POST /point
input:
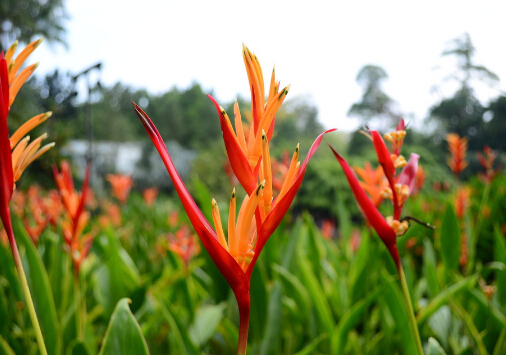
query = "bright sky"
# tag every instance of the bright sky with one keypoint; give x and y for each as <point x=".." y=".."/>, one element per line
<point x="317" y="46"/>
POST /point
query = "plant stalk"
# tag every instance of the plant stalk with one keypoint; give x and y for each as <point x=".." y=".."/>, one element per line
<point x="24" y="284"/>
<point x="412" y="319"/>
<point x="243" y="301"/>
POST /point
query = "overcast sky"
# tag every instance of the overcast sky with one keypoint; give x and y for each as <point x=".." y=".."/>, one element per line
<point x="317" y="46"/>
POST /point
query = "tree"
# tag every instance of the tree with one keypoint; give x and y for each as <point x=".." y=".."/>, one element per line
<point x="375" y="104"/>
<point x="25" y="19"/>
<point x="463" y="113"/>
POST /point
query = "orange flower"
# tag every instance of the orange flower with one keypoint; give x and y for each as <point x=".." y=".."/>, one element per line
<point x="76" y="217"/>
<point x="121" y="185"/>
<point x="184" y="243"/>
<point x="462" y="201"/>
<point x="149" y="196"/>
<point x="112" y="215"/>
<point x="457" y="147"/>
<point x="328" y="228"/>
<point x="419" y="180"/>
<point x="373" y="181"/>
<point x="487" y="162"/>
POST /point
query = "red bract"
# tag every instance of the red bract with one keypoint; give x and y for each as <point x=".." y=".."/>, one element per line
<point x="399" y="190"/>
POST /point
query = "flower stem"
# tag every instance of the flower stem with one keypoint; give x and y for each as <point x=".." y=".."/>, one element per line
<point x="412" y="319"/>
<point x="24" y="284"/>
<point x="243" y="301"/>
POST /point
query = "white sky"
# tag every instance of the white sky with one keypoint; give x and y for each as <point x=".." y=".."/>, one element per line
<point x="317" y="46"/>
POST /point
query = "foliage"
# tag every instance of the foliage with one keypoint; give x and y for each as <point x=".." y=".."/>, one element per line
<point x="26" y="19"/>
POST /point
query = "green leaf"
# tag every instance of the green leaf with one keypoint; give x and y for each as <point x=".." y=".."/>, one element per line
<point x="78" y="347"/>
<point x="450" y="239"/>
<point x="294" y="289"/>
<point x="258" y="304"/>
<point x="206" y="321"/>
<point x="433" y="348"/>
<point x="8" y="270"/>
<point x="397" y="305"/>
<point x="443" y="298"/>
<point x="41" y="293"/>
<point x="322" y="307"/>
<point x="348" y="320"/>
<point x="429" y="267"/>
<point x="310" y="348"/>
<point x="500" y="256"/>
<point x="274" y="318"/>
<point x="440" y="323"/>
<point x="5" y="349"/>
<point x="123" y="335"/>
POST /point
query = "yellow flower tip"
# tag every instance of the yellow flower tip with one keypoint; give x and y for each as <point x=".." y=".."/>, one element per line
<point x="214" y="203"/>
<point x="48" y="114"/>
<point x="233" y="193"/>
<point x="297" y="148"/>
<point x="264" y="136"/>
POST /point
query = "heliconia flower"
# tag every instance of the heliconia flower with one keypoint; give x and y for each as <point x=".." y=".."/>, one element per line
<point x="112" y="215"/>
<point x="328" y="228"/>
<point x="399" y="189"/>
<point x="77" y="218"/>
<point x="487" y="160"/>
<point x="149" y="196"/>
<point x="373" y="182"/>
<point x="184" y="244"/>
<point x="15" y="152"/>
<point x="462" y="201"/>
<point x="457" y="147"/>
<point x="121" y="185"/>
<point x="260" y="213"/>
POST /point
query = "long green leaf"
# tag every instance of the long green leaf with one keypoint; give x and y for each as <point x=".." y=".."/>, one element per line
<point x="322" y="307"/>
<point x="123" y="335"/>
<point x="42" y="295"/>
<point x="294" y="288"/>
<point x="443" y="297"/>
<point x="348" y="321"/>
<point x="205" y="323"/>
<point x="450" y="239"/>
<point x="500" y="255"/>
<point x="274" y="318"/>
<point x="397" y="305"/>
<point x="310" y="348"/>
<point x="5" y="349"/>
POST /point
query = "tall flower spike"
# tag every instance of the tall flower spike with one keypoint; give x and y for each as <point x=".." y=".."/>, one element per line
<point x="457" y="147"/>
<point x="13" y="162"/>
<point x="260" y="213"/>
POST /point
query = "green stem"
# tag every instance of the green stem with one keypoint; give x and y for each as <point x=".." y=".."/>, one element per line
<point x="412" y="319"/>
<point x="78" y="307"/>
<point x="24" y="284"/>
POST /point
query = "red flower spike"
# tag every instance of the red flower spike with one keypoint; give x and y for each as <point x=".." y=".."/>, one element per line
<point x="385" y="161"/>
<point x="223" y="260"/>
<point x="375" y="218"/>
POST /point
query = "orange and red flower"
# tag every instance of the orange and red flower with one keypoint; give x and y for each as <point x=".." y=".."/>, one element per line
<point x="15" y="152"/>
<point x="457" y="147"/>
<point x="399" y="189"/>
<point x="76" y="216"/>
<point x="260" y="213"/>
